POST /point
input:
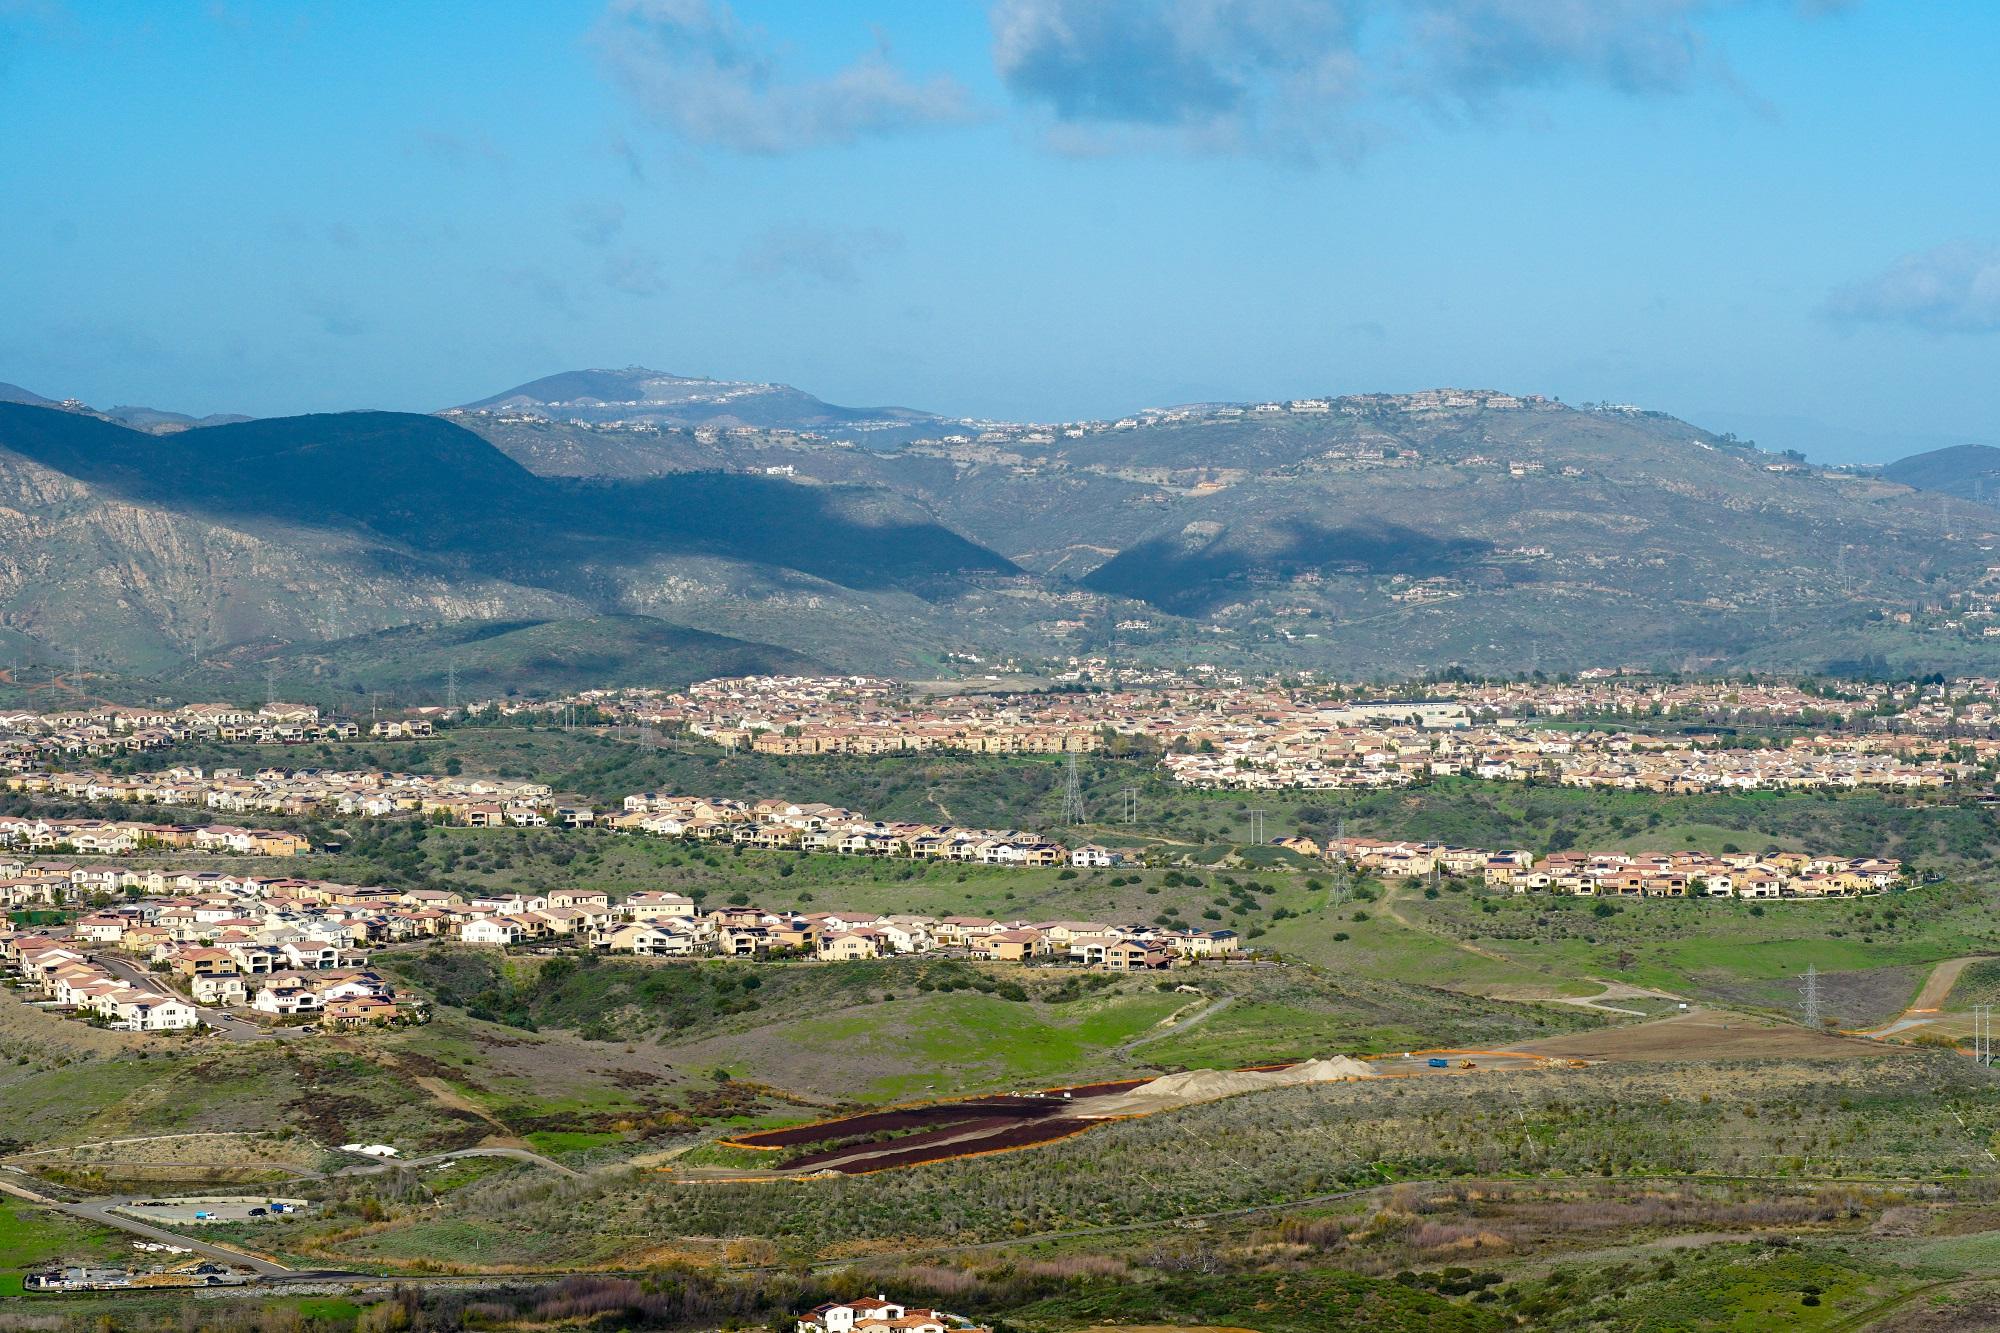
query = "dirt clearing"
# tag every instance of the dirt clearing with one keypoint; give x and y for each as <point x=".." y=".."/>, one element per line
<point x="1705" y="1034"/>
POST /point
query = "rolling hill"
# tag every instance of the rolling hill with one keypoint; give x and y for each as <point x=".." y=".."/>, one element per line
<point x="1969" y="471"/>
<point x="1372" y="533"/>
<point x="636" y="395"/>
<point x="144" y="548"/>
<point x="1389" y="532"/>
<point x="493" y="657"/>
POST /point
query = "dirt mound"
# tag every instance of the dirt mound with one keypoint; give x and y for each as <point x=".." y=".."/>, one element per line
<point x="1207" y="1085"/>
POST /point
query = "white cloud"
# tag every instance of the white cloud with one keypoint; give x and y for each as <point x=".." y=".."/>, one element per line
<point x="1312" y="78"/>
<point x="692" y="68"/>
<point x="829" y="254"/>
<point x="1951" y="288"/>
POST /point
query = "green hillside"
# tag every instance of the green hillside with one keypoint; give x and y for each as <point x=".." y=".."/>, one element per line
<point x="494" y="657"/>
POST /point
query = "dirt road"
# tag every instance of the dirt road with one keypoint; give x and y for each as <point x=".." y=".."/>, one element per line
<point x="1930" y="999"/>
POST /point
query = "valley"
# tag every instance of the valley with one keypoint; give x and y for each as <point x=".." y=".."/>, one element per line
<point x="1594" y="1065"/>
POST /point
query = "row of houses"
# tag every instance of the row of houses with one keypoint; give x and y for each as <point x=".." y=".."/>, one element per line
<point x="68" y="978"/>
<point x="1346" y="758"/>
<point x="818" y="827"/>
<point x="31" y="738"/>
<point x="657" y="923"/>
<point x="1674" y="874"/>
<point x="112" y="837"/>
<point x="1265" y="735"/>
<point x="277" y="946"/>
<point x="311" y="791"/>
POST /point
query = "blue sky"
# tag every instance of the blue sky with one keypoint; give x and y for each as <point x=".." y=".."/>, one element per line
<point x="1777" y="216"/>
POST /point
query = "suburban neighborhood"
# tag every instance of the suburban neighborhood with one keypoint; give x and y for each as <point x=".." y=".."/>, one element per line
<point x="1226" y="733"/>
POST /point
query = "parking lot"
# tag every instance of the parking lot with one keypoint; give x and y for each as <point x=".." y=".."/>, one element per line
<point x="199" y="1211"/>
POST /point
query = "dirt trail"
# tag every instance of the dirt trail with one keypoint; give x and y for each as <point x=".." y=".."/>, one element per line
<point x="1616" y="990"/>
<point x="1394" y="913"/>
<point x="1174" y="1024"/>
<point x="448" y="1097"/>
<point x="1943" y="977"/>
<point x="1930" y="999"/>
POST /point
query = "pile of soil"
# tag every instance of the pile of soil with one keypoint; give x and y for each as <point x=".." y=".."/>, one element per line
<point x="1207" y="1085"/>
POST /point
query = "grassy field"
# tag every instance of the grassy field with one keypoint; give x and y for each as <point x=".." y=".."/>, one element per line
<point x="1873" y="953"/>
<point x="31" y="1238"/>
<point x="893" y="1029"/>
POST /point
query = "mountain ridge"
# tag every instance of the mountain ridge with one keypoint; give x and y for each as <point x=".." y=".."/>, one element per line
<point x="639" y="395"/>
<point x="360" y="521"/>
<point x="1356" y="533"/>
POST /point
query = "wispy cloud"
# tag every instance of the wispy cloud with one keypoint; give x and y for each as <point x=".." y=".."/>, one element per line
<point x="541" y="286"/>
<point x="634" y="273"/>
<point x="597" y="223"/>
<point x="833" y="255"/>
<point x="335" y="317"/>
<point x="1951" y="288"/>
<point x="1319" y="78"/>
<point x="691" y="67"/>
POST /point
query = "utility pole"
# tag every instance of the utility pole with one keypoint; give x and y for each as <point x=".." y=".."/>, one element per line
<point x="1809" y="1011"/>
<point x="1072" y="806"/>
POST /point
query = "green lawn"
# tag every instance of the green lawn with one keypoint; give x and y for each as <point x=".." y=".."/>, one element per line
<point x="32" y="1238"/>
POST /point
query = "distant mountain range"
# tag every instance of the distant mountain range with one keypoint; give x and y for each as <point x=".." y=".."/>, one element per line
<point x="143" y="549"/>
<point x="1969" y="471"/>
<point x="638" y="396"/>
<point x="638" y="523"/>
<point x="153" y="420"/>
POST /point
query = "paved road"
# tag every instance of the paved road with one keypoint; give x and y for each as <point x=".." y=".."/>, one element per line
<point x="517" y="1154"/>
<point x="100" y="1211"/>
<point x="103" y="1212"/>
<point x="227" y="1024"/>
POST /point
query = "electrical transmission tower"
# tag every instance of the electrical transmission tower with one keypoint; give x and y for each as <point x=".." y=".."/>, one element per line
<point x="1809" y="1011"/>
<point x="1982" y="1033"/>
<point x="1072" y="806"/>
<point x="1131" y="798"/>
<point x="451" y="684"/>
<point x="1257" y="826"/>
